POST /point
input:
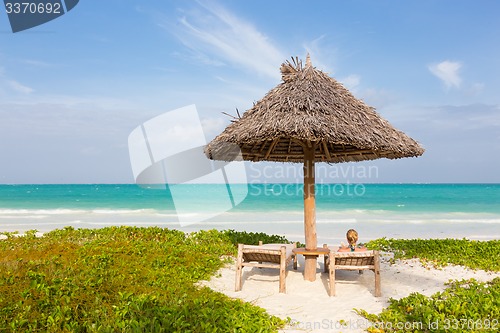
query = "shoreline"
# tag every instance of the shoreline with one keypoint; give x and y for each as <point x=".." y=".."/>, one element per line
<point x="331" y="226"/>
<point x="334" y="235"/>
<point x="330" y="240"/>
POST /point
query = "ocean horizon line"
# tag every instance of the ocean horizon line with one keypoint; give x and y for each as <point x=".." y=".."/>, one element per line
<point x="264" y="183"/>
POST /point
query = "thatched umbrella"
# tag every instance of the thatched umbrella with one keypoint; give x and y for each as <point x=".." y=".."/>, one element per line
<point x="309" y="118"/>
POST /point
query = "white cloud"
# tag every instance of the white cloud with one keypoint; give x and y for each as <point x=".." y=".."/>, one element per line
<point x="378" y="98"/>
<point x="448" y="72"/>
<point x="16" y="86"/>
<point x="212" y="33"/>
<point x="38" y="63"/>
<point x="213" y="126"/>
<point x="320" y="56"/>
<point x="475" y="89"/>
<point x="7" y="85"/>
<point x="351" y="82"/>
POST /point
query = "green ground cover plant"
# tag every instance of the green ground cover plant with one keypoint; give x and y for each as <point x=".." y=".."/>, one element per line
<point x="465" y="306"/>
<point x="253" y="238"/>
<point x="120" y="279"/>
<point x="438" y="252"/>
<point x="129" y="279"/>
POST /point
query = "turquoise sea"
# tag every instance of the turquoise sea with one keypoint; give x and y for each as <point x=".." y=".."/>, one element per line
<point x="376" y="210"/>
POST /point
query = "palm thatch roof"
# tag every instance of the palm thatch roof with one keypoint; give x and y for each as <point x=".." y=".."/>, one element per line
<point x="309" y="108"/>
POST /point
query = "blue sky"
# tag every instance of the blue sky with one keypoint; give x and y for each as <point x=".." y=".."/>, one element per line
<point x="73" y="89"/>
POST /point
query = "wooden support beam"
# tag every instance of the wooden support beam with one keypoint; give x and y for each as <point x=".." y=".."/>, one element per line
<point x="262" y="147"/>
<point x="271" y="147"/>
<point x="327" y="152"/>
<point x="309" y="212"/>
<point x="300" y="143"/>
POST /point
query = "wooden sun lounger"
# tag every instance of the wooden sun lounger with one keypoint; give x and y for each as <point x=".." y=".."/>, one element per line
<point x="355" y="261"/>
<point x="268" y="255"/>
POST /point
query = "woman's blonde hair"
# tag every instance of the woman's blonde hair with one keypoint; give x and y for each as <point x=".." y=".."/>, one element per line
<point x="352" y="237"/>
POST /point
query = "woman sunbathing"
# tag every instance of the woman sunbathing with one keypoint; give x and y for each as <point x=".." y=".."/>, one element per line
<point x="352" y="239"/>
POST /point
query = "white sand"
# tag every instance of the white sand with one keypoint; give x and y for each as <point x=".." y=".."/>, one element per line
<point x="312" y="310"/>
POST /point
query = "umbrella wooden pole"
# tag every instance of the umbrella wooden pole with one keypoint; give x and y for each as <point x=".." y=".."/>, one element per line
<point x="309" y="214"/>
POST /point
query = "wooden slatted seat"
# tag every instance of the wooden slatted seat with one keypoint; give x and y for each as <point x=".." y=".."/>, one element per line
<point x="266" y="256"/>
<point x="355" y="261"/>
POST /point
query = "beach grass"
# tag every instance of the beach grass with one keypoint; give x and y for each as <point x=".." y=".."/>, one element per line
<point x="473" y="254"/>
<point x="120" y="279"/>
<point x="130" y="279"/>
<point x="464" y="306"/>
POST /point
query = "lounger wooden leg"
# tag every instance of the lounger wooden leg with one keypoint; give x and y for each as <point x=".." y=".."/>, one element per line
<point x="283" y="270"/>
<point x="331" y="270"/>
<point x="378" y="291"/>
<point x="239" y="268"/>
<point x="260" y="262"/>
<point x="325" y="260"/>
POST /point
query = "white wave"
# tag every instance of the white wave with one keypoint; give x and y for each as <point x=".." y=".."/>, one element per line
<point x="337" y="221"/>
<point x="16" y="212"/>
<point x="34" y="225"/>
<point x="9" y="217"/>
<point x="123" y="211"/>
<point x="34" y="213"/>
<point x="484" y="237"/>
<point x="131" y="223"/>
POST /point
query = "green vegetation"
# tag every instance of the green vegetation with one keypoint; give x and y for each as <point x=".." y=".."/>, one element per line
<point x="128" y="279"/>
<point x="439" y="252"/>
<point x="121" y="279"/>
<point x="253" y="238"/>
<point x="465" y="306"/>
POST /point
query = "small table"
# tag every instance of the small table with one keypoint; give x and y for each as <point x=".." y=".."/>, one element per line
<point x="320" y="251"/>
